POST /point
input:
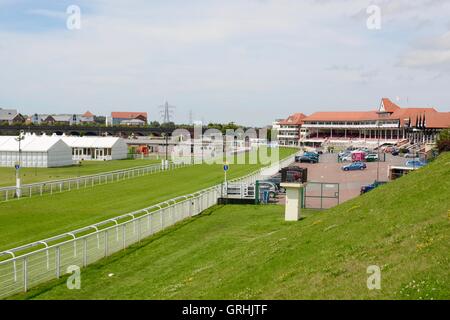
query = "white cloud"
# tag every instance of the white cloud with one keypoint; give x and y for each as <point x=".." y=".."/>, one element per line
<point x="226" y="60"/>
<point x="431" y="53"/>
<point x="47" y="13"/>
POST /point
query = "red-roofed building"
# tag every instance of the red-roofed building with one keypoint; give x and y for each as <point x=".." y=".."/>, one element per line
<point x="389" y="123"/>
<point x="87" y="117"/>
<point x="289" y="129"/>
<point x="129" y="118"/>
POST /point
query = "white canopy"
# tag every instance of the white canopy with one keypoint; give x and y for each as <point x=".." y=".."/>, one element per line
<point x="29" y="143"/>
<point x="90" y="142"/>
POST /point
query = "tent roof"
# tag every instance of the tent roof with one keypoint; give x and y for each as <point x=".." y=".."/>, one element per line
<point x="90" y="142"/>
<point x="30" y="142"/>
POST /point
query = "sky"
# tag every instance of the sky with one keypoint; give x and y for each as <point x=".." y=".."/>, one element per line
<point x="247" y="61"/>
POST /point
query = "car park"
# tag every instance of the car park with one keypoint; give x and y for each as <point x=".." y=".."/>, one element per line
<point x="354" y="166"/>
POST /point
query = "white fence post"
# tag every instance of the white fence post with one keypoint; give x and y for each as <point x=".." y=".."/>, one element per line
<point x="25" y="274"/>
<point x="106" y="243"/>
<point x="58" y="262"/>
<point x="85" y="252"/>
<point x="123" y="237"/>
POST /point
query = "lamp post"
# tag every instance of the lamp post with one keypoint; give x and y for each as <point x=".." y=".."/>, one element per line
<point x="17" y="166"/>
<point x="166" y="138"/>
<point x="378" y="151"/>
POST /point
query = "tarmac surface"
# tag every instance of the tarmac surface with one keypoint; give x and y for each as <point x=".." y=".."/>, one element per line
<point x="328" y="172"/>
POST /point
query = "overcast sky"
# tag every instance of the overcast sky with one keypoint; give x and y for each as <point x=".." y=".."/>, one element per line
<point x="248" y="61"/>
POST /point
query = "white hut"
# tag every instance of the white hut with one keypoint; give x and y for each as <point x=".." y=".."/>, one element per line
<point x="35" y="151"/>
<point x="97" y="148"/>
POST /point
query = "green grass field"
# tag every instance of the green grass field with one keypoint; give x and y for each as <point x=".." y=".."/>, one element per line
<point x="31" y="175"/>
<point x="31" y="219"/>
<point x="249" y="252"/>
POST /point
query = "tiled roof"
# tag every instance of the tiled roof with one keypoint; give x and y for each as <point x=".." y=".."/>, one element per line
<point x="437" y="120"/>
<point x="87" y="114"/>
<point x="8" y="114"/>
<point x="388" y="105"/>
<point x="343" y="116"/>
<point x="406" y="114"/>
<point x="294" y="119"/>
<point x="128" y="115"/>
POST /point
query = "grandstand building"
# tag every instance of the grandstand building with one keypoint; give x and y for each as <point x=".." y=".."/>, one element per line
<point x="390" y="123"/>
<point x="288" y="131"/>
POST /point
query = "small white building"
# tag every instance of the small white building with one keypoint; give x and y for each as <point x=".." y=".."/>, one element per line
<point x="97" y="148"/>
<point x="36" y="151"/>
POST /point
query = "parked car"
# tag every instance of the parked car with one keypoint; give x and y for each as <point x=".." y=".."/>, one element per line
<point x="410" y="155"/>
<point x="270" y="187"/>
<point x="276" y="179"/>
<point x="368" y="187"/>
<point x="354" y="166"/>
<point x="346" y="158"/>
<point x="311" y="155"/>
<point x="372" y="157"/>
<point x="415" y="163"/>
<point x="306" y="159"/>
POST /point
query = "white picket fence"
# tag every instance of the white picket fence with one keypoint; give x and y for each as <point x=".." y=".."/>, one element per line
<point x="24" y="267"/>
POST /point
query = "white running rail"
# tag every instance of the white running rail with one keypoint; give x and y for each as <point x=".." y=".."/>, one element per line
<point x="58" y="186"/>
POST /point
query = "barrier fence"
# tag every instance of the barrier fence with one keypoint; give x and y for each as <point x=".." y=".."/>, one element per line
<point x="27" y="266"/>
<point x="57" y="186"/>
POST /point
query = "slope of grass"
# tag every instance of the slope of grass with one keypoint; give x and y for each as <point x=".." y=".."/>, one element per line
<point x="32" y="175"/>
<point x="26" y="220"/>
<point x="249" y="252"/>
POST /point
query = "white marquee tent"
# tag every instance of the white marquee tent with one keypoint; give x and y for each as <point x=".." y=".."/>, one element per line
<point x="36" y="151"/>
<point x="97" y="148"/>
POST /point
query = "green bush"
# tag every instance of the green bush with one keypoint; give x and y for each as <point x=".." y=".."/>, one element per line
<point x="443" y="142"/>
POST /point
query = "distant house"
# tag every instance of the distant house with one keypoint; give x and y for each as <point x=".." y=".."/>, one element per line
<point x="87" y="117"/>
<point x="11" y="116"/>
<point x="37" y="118"/>
<point x="129" y="118"/>
<point x="133" y="122"/>
<point x="69" y="119"/>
